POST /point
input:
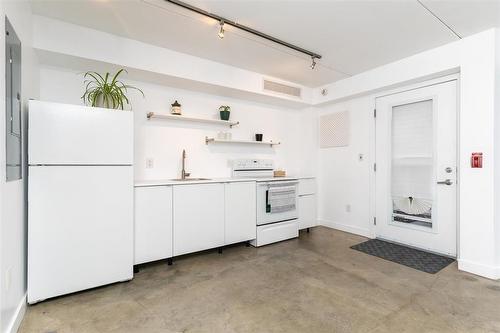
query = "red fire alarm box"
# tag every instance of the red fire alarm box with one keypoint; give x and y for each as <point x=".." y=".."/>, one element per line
<point x="476" y="160"/>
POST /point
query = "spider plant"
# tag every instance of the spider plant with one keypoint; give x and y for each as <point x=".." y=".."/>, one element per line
<point x="104" y="91"/>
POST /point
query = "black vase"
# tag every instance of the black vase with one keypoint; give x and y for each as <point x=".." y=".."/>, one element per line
<point x="258" y="137"/>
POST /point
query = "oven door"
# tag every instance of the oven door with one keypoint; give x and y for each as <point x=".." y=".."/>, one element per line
<point x="265" y="214"/>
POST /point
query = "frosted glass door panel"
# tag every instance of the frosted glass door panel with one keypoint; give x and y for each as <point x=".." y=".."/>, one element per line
<point x="412" y="163"/>
<point x="412" y="130"/>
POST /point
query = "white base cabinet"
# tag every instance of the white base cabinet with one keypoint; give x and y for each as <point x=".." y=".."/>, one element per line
<point x="307" y="211"/>
<point x="240" y="212"/>
<point x="153" y="224"/>
<point x="198" y="217"/>
<point x="180" y="219"/>
<point x="307" y="203"/>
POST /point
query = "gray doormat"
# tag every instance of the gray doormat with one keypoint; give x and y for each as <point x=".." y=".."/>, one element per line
<point x="417" y="259"/>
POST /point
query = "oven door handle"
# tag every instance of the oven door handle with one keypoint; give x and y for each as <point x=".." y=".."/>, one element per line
<point x="268" y="205"/>
<point x="282" y="184"/>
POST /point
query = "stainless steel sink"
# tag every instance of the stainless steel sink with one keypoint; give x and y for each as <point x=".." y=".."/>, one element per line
<point x="189" y="179"/>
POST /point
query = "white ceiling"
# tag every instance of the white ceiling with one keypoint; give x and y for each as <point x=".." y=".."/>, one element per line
<point x="352" y="36"/>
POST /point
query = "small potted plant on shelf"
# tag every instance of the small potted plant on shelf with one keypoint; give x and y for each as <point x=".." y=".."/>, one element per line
<point x="106" y="91"/>
<point x="225" y="112"/>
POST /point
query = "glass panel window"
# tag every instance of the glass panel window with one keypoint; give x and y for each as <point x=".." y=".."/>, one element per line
<point x="412" y="164"/>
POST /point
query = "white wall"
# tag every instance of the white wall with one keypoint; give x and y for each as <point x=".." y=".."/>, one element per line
<point x="163" y="141"/>
<point x="497" y="147"/>
<point x="344" y="179"/>
<point x="474" y="58"/>
<point x="13" y="208"/>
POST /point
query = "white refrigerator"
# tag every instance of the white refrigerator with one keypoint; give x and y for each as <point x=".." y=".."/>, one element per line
<point x="80" y="198"/>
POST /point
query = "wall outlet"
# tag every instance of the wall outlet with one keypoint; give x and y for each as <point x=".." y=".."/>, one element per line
<point x="149" y="163"/>
<point x="348" y="208"/>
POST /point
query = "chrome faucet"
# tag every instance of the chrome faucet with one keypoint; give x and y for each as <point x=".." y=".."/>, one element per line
<point x="184" y="174"/>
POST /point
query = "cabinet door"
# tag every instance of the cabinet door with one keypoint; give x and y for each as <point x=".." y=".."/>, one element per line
<point x="153" y="223"/>
<point x="307" y="211"/>
<point x="198" y="217"/>
<point x="240" y="212"/>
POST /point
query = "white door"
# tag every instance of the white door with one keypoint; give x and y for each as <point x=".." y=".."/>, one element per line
<point x="62" y="134"/>
<point x="416" y="168"/>
<point x="240" y="212"/>
<point x="152" y="223"/>
<point x="80" y="228"/>
<point x="198" y="217"/>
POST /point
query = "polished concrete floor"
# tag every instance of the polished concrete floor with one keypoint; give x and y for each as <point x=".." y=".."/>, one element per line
<point x="311" y="284"/>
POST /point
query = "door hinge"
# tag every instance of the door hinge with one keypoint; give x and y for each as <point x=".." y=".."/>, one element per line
<point x="375" y="167"/>
<point x="374" y="113"/>
<point x="374" y="221"/>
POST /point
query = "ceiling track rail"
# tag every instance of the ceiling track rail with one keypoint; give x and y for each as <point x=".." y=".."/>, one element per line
<point x="439" y="19"/>
<point x="244" y="28"/>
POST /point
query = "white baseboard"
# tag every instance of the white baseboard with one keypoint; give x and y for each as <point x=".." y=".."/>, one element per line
<point x="487" y="271"/>
<point x="18" y="316"/>
<point x="347" y="228"/>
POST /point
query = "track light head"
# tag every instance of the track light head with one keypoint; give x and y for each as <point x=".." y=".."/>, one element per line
<point x="221" y="29"/>
<point x="313" y="62"/>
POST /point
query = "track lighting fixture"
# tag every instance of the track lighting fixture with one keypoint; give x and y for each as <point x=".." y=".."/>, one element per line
<point x="313" y="63"/>
<point x="233" y="24"/>
<point x="221" y="29"/>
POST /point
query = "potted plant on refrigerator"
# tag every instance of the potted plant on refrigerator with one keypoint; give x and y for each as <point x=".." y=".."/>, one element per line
<point x="106" y="91"/>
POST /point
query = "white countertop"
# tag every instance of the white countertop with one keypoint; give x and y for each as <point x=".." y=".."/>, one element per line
<point x="163" y="182"/>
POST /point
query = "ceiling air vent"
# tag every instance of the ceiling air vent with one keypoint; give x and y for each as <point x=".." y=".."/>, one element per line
<point x="281" y="88"/>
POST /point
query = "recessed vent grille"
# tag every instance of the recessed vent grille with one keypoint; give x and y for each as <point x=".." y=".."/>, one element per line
<point x="282" y="88"/>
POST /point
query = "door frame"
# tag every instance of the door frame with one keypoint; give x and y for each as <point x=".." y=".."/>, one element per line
<point x="373" y="149"/>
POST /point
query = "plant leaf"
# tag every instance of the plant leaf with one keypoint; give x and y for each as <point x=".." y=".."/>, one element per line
<point x="96" y="76"/>
<point x="116" y="76"/>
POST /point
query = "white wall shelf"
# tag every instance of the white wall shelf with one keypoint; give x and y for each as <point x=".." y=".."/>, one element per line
<point x="152" y="115"/>
<point x="265" y="143"/>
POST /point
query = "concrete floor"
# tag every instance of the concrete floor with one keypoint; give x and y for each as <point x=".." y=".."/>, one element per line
<point x="311" y="284"/>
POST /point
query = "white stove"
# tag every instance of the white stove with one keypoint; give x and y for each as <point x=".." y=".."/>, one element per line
<point x="277" y="216"/>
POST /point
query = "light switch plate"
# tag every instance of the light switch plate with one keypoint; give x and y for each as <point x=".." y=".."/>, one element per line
<point x="149" y="163"/>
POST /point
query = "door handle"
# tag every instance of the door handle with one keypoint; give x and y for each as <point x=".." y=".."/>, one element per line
<point x="445" y="182"/>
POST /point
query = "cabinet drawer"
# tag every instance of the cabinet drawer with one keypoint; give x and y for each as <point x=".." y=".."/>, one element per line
<point x="307" y="186"/>
<point x="271" y="233"/>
